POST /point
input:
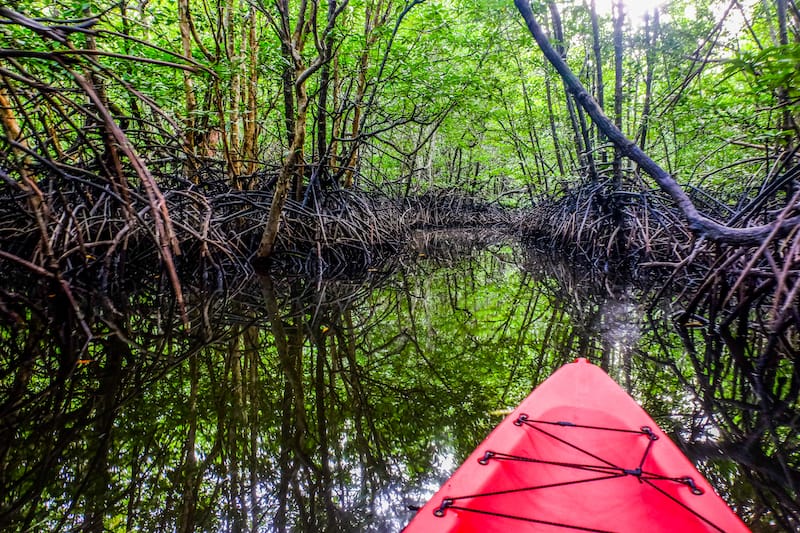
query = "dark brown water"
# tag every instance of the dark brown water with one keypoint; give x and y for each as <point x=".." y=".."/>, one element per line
<point x="334" y="405"/>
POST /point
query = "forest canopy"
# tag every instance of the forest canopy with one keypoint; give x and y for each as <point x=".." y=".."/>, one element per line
<point x="298" y="99"/>
<point x="419" y="85"/>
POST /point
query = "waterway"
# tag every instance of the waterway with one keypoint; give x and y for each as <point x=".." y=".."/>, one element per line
<point x="291" y="404"/>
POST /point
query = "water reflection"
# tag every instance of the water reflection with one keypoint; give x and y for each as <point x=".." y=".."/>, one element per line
<point x="742" y="423"/>
<point x="313" y="405"/>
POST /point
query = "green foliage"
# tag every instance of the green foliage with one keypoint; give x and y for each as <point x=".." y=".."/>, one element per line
<point x="461" y="82"/>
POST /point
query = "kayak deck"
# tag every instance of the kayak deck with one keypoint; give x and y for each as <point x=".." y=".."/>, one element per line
<point x="577" y="454"/>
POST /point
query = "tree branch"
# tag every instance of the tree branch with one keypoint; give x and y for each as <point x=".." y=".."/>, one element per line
<point x="700" y="224"/>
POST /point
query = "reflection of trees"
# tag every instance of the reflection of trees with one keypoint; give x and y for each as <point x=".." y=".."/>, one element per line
<point x="321" y="405"/>
<point x="744" y="425"/>
<point x="591" y="315"/>
<point x="296" y="405"/>
<point x="726" y="385"/>
<point x="61" y="395"/>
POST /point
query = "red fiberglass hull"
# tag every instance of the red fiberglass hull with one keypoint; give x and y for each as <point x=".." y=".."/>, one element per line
<point x="577" y="454"/>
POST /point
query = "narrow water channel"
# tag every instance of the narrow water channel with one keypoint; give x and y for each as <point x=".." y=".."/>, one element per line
<point x="339" y="405"/>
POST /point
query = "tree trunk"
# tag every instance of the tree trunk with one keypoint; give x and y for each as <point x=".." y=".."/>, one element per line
<point x="188" y="87"/>
<point x="234" y="135"/>
<point x="789" y="124"/>
<point x="355" y="129"/>
<point x="619" y="18"/>
<point x="377" y="15"/>
<point x="288" y="171"/>
<point x="292" y="44"/>
<point x="250" y="133"/>
<point x="322" y="105"/>
<point x="336" y="126"/>
<point x="598" y="64"/>
<point x="552" y="116"/>
<point x="651" y="35"/>
<point x="558" y="34"/>
<point x="533" y="135"/>
<point x="583" y="144"/>
<point x="287" y="83"/>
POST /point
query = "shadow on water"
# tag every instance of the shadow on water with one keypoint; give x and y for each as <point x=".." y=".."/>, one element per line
<point x="334" y="405"/>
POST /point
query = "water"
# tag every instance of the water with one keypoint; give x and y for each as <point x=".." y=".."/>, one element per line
<point x="314" y="405"/>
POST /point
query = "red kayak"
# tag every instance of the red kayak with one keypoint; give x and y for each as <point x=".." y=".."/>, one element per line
<point x="577" y="454"/>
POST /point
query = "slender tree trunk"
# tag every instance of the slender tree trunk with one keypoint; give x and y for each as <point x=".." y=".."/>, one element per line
<point x="552" y="116"/>
<point x="250" y="134"/>
<point x="288" y="171"/>
<point x="598" y="64"/>
<point x="533" y="136"/>
<point x="619" y="17"/>
<point x="512" y="131"/>
<point x="133" y="101"/>
<point x="558" y="35"/>
<point x="322" y="106"/>
<point x="188" y="87"/>
<point x="10" y="124"/>
<point x="651" y="36"/>
<point x="287" y="83"/>
<point x="26" y="184"/>
<point x="234" y="105"/>
<point x="301" y="123"/>
<point x="336" y="126"/>
<point x="578" y="121"/>
<point x="587" y="142"/>
<point x="292" y="44"/>
<point x="355" y="129"/>
<point x="788" y="122"/>
<point x="376" y="16"/>
<point x="613" y="203"/>
<point x="322" y="117"/>
<point x="429" y="162"/>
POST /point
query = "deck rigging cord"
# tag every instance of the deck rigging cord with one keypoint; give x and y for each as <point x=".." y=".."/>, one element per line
<point x="606" y="470"/>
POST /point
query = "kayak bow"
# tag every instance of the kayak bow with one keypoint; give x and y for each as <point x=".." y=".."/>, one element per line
<point x="577" y="454"/>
